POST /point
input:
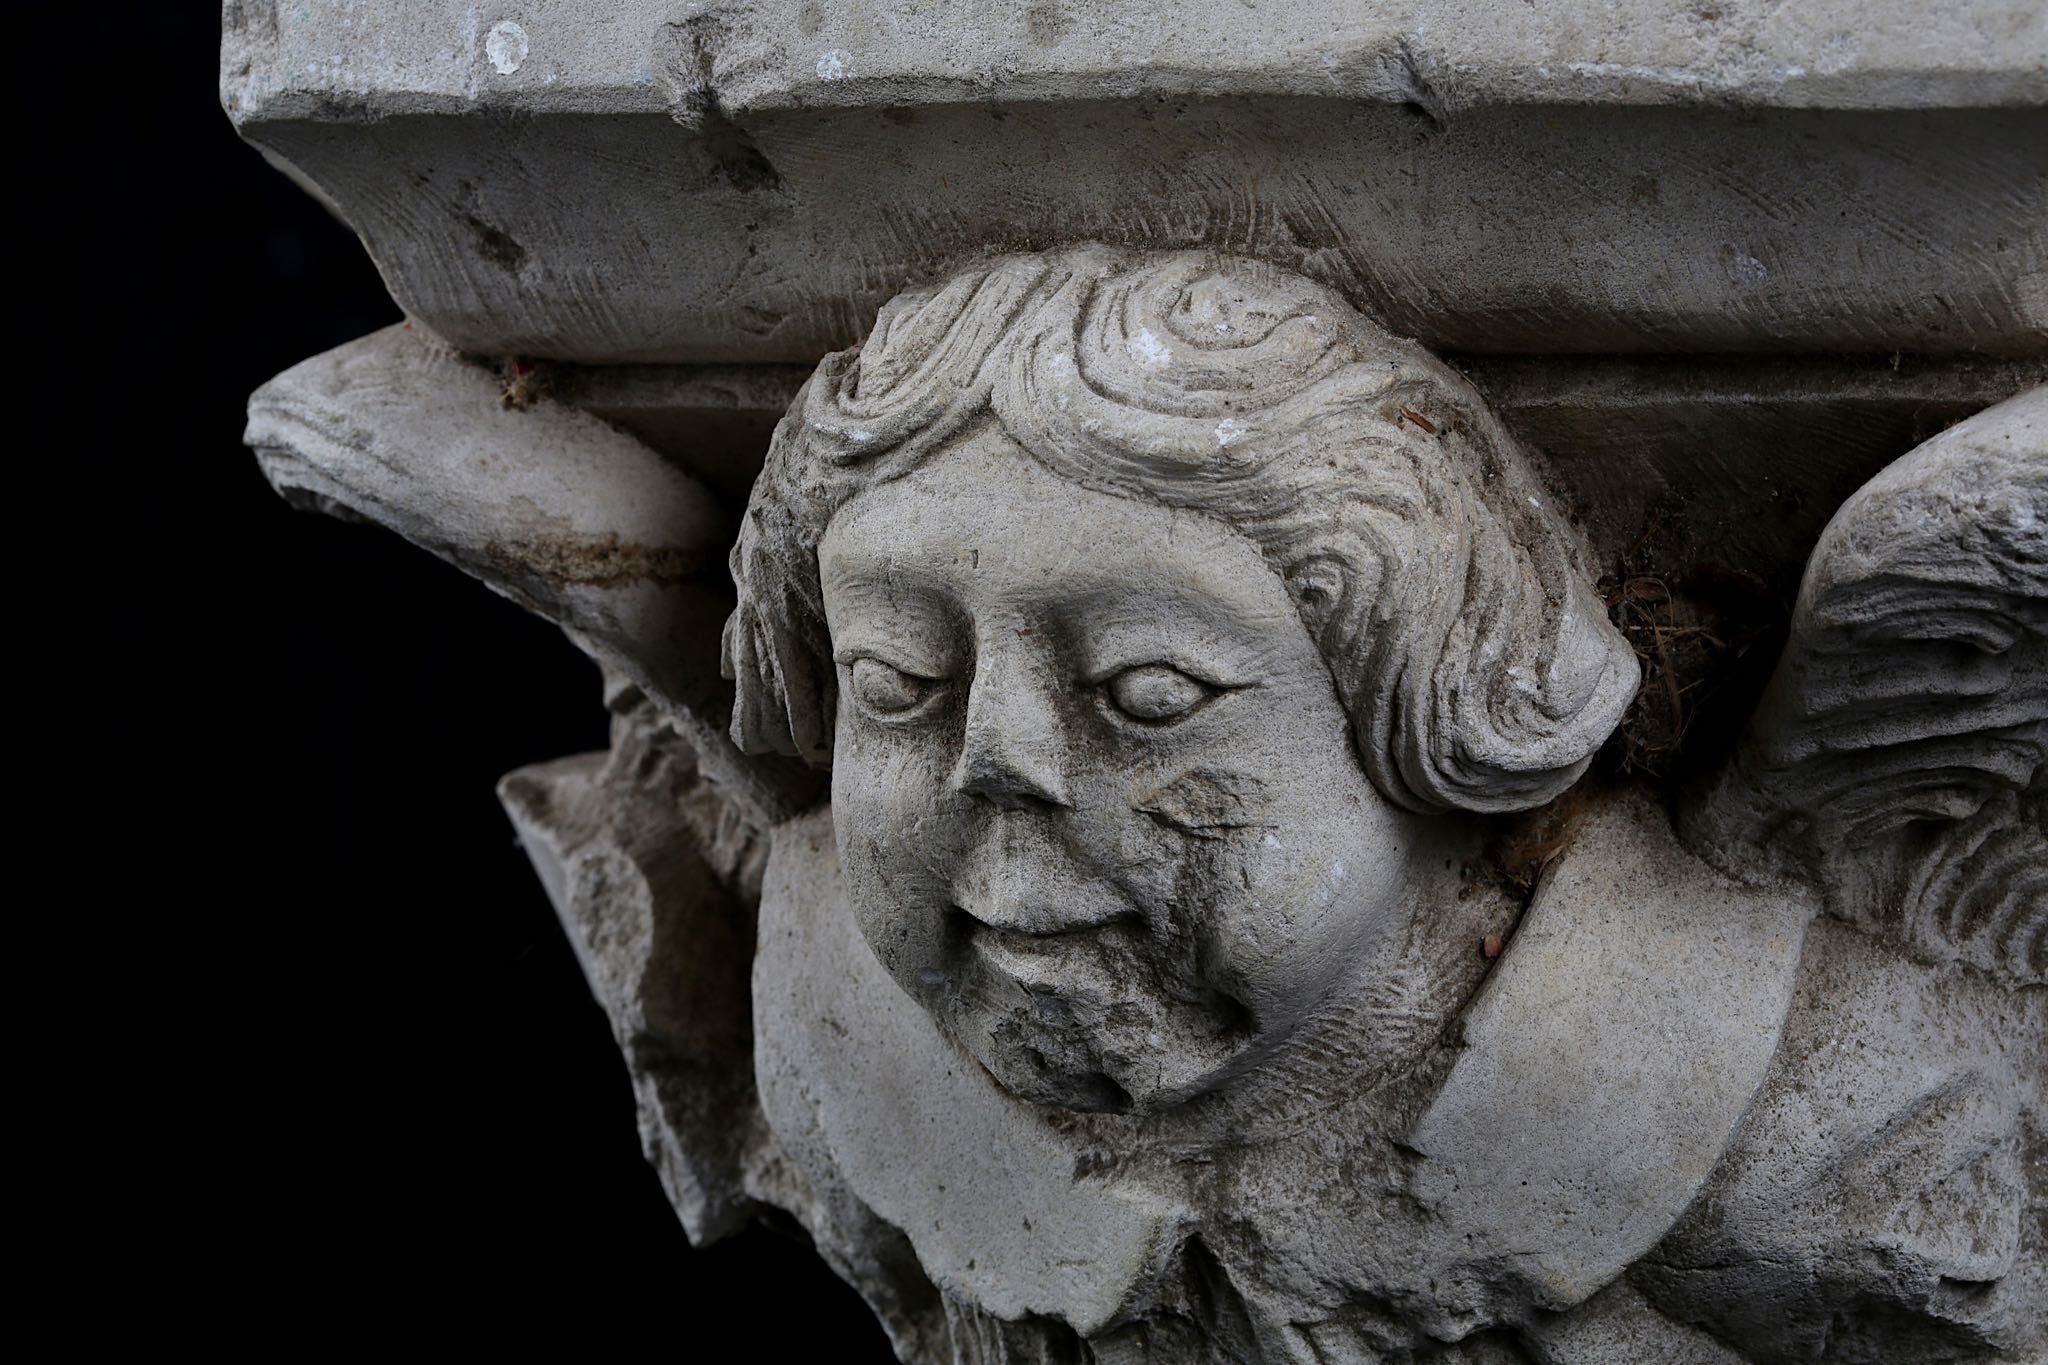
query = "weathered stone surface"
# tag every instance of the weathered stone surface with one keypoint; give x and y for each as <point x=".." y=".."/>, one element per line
<point x="655" y="877"/>
<point x="1473" y="174"/>
<point x="1177" y="1091"/>
<point x="555" y="509"/>
<point x="1609" y="1058"/>
<point x="1883" y="1200"/>
<point x="1898" y="754"/>
<point x="1317" y="864"/>
<point x="1716" y="468"/>
<point x="418" y="56"/>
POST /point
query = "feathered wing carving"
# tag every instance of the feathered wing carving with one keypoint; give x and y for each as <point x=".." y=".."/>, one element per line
<point x="1897" y="756"/>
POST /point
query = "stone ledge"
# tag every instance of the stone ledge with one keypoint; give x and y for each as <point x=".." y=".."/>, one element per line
<point x="749" y="183"/>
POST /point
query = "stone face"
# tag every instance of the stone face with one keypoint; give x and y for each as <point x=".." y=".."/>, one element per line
<point x="1103" y="813"/>
<point x="1157" y="814"/>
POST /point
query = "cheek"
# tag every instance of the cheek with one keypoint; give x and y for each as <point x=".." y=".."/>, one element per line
<point x="1306" y="876"/>
<point x="1333" y="889"/>
<point x="1338" y="870"/>
<point x="887" y="816"/>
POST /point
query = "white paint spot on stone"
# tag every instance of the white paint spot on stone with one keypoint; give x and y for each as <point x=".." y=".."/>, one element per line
<point x="860" y="436"/>
<point x="835" y="65"/>
<point x="1744" y="268"/>
<point x="1151" y="349"/>
<point x="1271" y="842"/>
<point x="1228" y="430"/>
<point x="506" y="45"/>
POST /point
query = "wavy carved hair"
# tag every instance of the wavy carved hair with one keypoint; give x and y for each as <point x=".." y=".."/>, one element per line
<point x="1476" y="663"/>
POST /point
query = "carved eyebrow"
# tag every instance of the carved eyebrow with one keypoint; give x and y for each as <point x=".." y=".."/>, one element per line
<point x="897" y="564"/>
<point x="922" y="653"/>
<point x="1232" y="657"/>
<point x="909" y="625"/>
<point x="913" y="665"/>
<point x="1200" y="670"/>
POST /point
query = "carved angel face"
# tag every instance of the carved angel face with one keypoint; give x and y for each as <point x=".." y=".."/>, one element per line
<point x="1094" y="787"/>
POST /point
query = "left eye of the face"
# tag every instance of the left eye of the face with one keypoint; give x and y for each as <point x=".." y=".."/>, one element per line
<point x="887" y="691"/>
<point x="1157" y="693"/>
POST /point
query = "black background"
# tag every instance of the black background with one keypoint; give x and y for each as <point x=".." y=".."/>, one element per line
<point x="342" y="1071"/>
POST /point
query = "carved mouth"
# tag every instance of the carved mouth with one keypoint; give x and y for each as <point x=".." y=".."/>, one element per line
<point x="1042" y="923"/>
<point x="1074" y="1016"/>
<point x="1027" y="955"/>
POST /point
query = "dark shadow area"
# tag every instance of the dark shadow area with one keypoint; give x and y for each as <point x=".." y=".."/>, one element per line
<point x="348" y="1083"/>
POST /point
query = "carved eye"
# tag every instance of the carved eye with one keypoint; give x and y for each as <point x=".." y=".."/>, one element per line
<point x="1157" y="692"/>
<point x="884" y="690"/>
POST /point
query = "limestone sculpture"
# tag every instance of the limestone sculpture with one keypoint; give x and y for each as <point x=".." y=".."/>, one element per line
<point x="1151" y="984"/>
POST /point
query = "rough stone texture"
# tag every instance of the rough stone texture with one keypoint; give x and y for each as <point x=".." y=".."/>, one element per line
<point x="556" y="510"/>
<point x="1609" y="1058"/>
<point x="1899" y="751"/>
<point x="428" y="55"/>
<point x="655" y="877"/>
<point x="1722" y="469"/>
<point x="1883" y="1200"/>
<point x="1471" y="173"/>
<point x="1432" y="778"/>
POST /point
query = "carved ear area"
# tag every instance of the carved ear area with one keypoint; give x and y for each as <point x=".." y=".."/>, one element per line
<point x="775" y="648"/>
<point x="784" y="690"/>
<point x="1491" y="701"/>
<point x="567" y="516"/>
<point x="1527" y="677"/>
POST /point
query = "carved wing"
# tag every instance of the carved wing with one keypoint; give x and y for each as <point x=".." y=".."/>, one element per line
<point x="1897" y="756"/>
<point x="567" y="516"/>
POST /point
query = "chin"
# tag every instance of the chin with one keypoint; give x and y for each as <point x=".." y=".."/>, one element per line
<point x="1136" y="1060"/>
<point x="1087" y="1092"/>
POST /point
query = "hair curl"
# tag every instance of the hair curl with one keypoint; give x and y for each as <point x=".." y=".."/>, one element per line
<point x="1477" y="665"/>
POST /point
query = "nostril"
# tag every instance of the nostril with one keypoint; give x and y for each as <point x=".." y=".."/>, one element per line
<point x="1018" y="795"/>
<point x="1010" y="771"/>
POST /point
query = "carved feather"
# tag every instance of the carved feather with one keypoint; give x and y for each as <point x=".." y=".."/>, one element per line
<point x="1897" y="757"/>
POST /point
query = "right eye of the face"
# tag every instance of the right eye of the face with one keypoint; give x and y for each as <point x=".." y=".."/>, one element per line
<point x="884" y="690"/>
<point x="1157" y="694"/>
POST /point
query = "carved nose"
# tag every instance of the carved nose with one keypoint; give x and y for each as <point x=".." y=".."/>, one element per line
<point x="1011" y="751"/>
